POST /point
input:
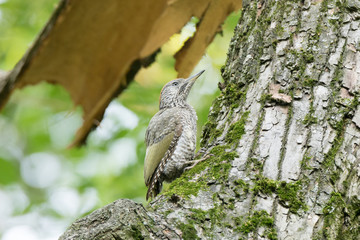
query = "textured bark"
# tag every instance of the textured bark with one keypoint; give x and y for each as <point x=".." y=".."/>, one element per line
<point x="284" y="133"/>
<point x="122" y="219"/>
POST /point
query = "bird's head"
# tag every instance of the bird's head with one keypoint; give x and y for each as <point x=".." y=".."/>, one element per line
<point x="175" y="92"/>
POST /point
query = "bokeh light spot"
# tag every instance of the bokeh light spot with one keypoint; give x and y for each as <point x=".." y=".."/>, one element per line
<point x="40" y="170"/>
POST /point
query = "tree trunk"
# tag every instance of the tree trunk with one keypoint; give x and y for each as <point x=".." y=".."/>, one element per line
<point x="284" y="134"/>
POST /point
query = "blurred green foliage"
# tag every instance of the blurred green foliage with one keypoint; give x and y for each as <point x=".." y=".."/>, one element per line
<point x="42" y="183"/>
<point x="21" y="21"/>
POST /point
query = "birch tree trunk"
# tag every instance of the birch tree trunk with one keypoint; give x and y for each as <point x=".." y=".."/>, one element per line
<point x="284" y="137"/>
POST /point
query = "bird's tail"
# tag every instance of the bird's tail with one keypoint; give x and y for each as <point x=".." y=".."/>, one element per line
<point x="154" y="188"/>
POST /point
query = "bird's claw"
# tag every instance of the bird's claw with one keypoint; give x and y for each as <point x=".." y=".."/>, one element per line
<point x="195" y="162"/>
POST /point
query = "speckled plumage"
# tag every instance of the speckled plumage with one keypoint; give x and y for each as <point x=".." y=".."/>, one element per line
<point x="171" y="136"/>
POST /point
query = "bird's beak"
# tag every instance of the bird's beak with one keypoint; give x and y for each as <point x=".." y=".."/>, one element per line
<point x="189" y="82"/>
<point x="194" y="77"/>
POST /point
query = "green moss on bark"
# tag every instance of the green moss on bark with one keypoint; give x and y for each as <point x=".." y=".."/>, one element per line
<point x="188" y="231"/>
<point x="236" y="130"/>
<point x="333" y="213"/>
<point x="289" y="194"/>
<point x="203" y="219"/>
<point x="343" y="215"/>
<point x="218" y="166"/>
<point x="255" y="221"/>
<point x="242" y="185"/>
<point x="135" y="233"/>
<point x="209" y="130"/>
<point x="305" y="163"/>
<point x="233" y="95"/>
<point x="309" y="118"/>
<point x="329" y="158"/>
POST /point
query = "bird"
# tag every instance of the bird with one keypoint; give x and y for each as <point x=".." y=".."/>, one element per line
<point x="170" y="136"/>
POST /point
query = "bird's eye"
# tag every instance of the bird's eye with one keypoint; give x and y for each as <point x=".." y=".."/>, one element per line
<point x="175" y="83"/>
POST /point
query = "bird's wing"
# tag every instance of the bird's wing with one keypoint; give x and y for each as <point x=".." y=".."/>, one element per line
<point x="154" y="154"/>
<point x="154" y="186"/>
<point x="159" y="134"/>
<point x="161" y="138"/>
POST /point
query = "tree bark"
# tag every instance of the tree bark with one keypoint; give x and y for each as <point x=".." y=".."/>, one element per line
<point x="284" y="136"/>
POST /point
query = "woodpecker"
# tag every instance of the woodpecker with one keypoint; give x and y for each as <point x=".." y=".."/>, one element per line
<point x="171" y="136"/>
